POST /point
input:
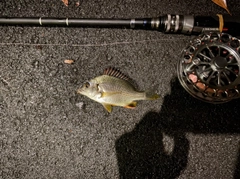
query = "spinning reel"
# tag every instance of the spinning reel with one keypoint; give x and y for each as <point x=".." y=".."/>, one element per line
<point x="209" y="67"/>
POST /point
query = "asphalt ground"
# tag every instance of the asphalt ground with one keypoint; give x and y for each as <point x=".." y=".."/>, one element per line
<point x="49" y="131"/>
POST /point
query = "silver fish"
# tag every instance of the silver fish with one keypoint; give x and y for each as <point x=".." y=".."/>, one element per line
<point x="113" y="88"/>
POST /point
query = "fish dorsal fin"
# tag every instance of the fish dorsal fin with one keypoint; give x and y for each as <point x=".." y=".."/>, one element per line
<point x="111" y="71"/>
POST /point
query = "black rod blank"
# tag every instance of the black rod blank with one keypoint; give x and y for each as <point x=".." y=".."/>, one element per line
<point x="82" y="22"/>
<point x="169" y="23"/>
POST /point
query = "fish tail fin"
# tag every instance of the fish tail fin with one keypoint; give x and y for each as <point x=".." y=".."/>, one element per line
<point x="151" y="95"/>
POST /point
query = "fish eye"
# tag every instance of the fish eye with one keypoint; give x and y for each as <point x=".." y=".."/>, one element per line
<point x="87" y="84"/>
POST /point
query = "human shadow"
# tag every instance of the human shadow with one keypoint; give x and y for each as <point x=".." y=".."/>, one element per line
<point x="141" y="154"/>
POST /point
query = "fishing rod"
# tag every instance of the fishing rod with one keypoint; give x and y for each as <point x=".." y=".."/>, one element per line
<point x="208" y="68"/>
<point x="183" y="24"/>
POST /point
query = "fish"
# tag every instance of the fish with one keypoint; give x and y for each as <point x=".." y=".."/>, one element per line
<point x="114" y="88"/>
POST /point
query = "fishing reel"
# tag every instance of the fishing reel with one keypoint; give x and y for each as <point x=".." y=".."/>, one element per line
<point x="209" y="67"/>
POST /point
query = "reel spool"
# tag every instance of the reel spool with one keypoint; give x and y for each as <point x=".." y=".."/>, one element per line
<point x="209" y="67"/>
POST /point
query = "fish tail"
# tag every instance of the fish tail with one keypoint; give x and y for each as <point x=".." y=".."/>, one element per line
<point x="151" y="95"/>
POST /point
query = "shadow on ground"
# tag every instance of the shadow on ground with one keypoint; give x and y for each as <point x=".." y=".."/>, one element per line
<point x="141" y="153"/>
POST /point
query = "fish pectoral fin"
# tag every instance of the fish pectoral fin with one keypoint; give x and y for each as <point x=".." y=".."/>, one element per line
<point x="108" y="107"/>
<point x="132" y="105"/>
